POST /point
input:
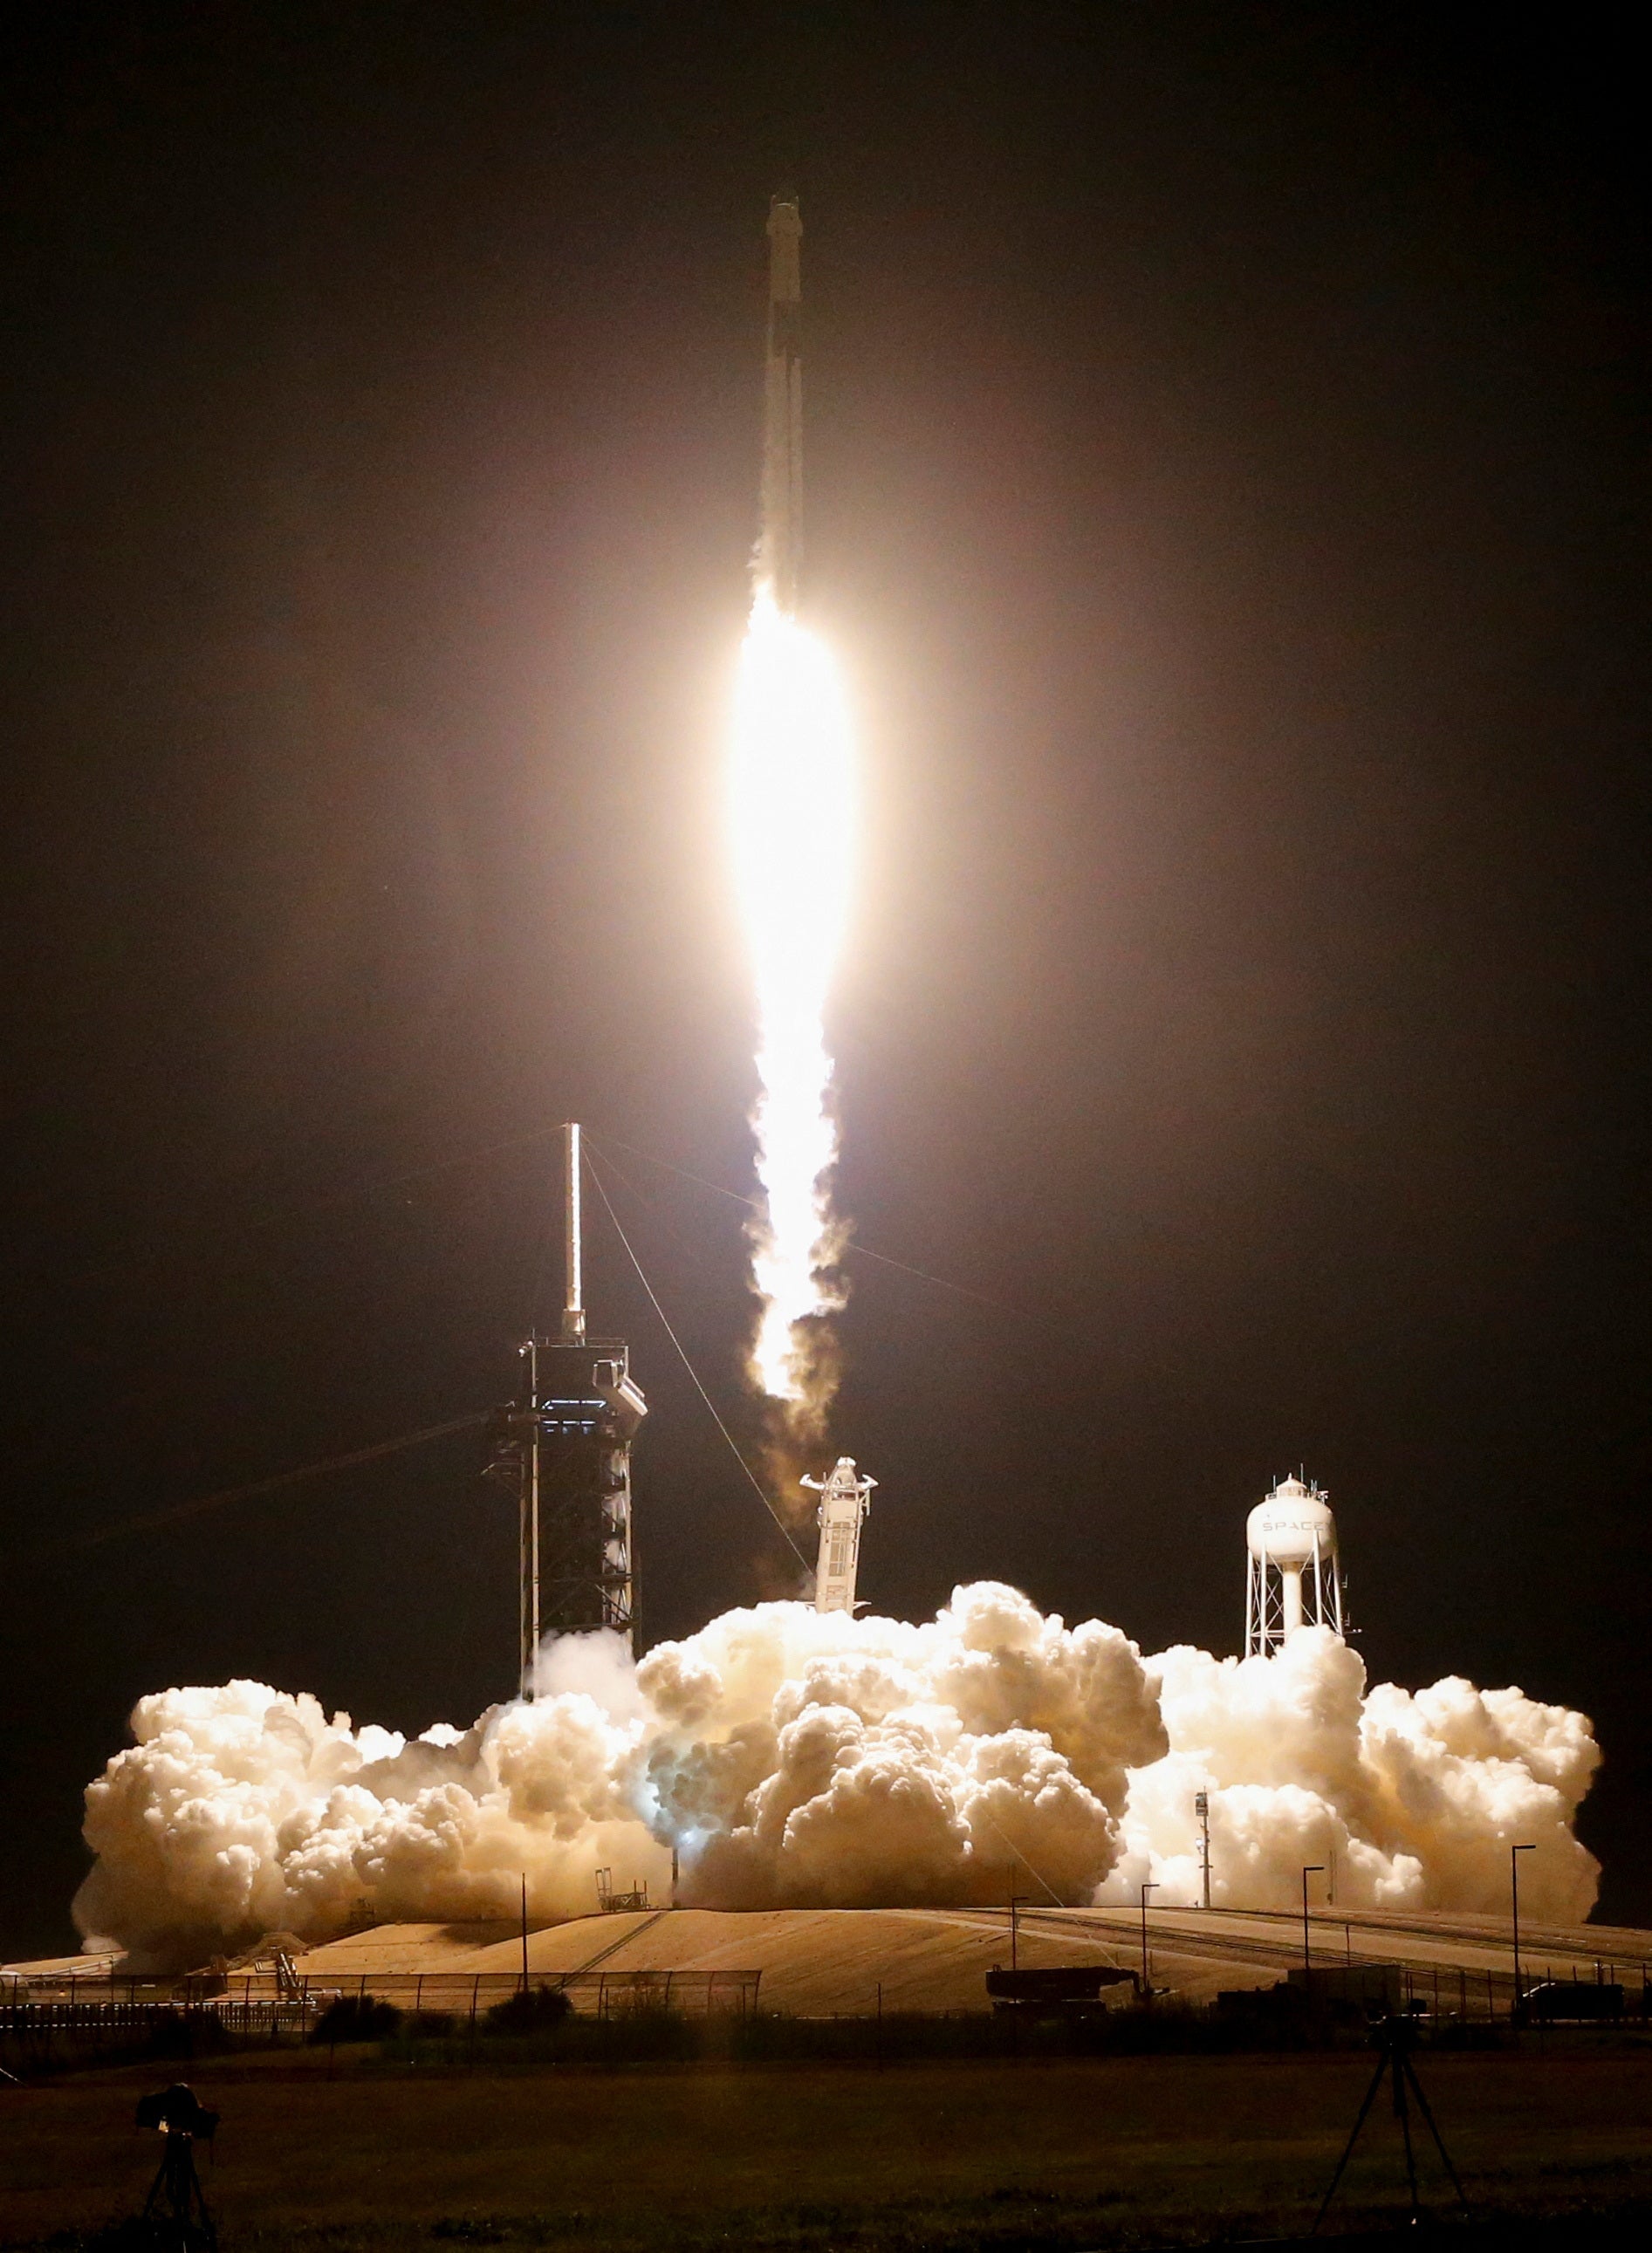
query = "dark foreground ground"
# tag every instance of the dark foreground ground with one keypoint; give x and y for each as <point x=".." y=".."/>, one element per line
<point x="1059" y="2152"/>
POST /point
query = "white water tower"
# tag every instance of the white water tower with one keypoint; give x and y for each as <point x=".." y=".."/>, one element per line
<point x="1291" y="1577"/>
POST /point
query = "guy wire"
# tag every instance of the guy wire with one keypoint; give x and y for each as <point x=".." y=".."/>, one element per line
<point x="851" y="1250"/>
<point x="689" y="1366"/>
<point x="176" y="1511"/>
<point x="1027" y="1866"/>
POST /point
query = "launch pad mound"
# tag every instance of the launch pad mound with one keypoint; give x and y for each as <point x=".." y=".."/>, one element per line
<point x="846" y="1962"/>
<point x="851" y="1962"/>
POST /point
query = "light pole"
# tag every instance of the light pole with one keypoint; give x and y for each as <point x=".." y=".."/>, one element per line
<point x="1513" y="1896"/>
<point x="1015" y="1900"/>
<point x="1202" y="1809"/>
<point x="1308" y="1869"/>
<point x="1146" y="1989"/>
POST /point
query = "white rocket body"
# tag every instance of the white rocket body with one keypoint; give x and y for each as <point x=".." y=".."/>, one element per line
<point x="780" y="545"/>
<point x="845" y="1499"/>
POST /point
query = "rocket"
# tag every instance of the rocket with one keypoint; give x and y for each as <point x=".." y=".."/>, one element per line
<point x="780" y="544"/>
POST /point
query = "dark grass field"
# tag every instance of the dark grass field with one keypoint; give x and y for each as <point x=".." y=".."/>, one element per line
<point x="1064" y="2152"/>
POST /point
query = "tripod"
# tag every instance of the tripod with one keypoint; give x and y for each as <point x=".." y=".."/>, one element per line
<point x="1394" y="2037"/>
<point x="176" y="2207"/>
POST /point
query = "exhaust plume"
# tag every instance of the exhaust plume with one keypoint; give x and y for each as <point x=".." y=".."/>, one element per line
<point x="804" y="1759"/>
<point x="791" y="823"/>
<point x="1409" y="1800"/>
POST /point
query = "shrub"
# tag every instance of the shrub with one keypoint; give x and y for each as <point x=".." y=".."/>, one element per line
<point x="356" y="2018"/>
<point x="531" y="2011"/>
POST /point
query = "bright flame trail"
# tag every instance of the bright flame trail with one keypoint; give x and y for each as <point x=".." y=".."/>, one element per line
<point x="792" y="807"/>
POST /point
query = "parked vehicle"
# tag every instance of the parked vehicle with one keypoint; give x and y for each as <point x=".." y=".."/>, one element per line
<point x="1556" y="2002"/>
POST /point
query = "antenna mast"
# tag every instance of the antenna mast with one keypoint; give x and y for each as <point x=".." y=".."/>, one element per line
<point x="563" y="1448"/>
<point x="573" y="1305"/>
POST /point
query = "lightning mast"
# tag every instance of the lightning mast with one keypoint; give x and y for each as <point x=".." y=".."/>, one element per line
<point x="563" y="1448"/>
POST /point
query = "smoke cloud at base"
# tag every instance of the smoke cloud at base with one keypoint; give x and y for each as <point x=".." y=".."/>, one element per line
<point x="1407" y="1800"/>
<point x="800" y="1759"/>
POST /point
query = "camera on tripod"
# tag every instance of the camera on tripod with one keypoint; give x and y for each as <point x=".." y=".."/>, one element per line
<point x="176" y="2112"/>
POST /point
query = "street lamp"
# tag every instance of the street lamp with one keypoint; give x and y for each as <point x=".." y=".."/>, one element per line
<point x="1147" y="1990"/>
<point x="1015" y="1901"/>
<point x="1308" y="1868"/>
<point x="1514" y="1896"/>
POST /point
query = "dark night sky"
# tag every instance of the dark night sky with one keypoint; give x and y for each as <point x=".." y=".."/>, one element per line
<point x="1226" y="453"/>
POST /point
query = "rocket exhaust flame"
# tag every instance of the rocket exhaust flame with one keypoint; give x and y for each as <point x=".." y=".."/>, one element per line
<point x="792" y="804"/>
<point x="792" y="829"/>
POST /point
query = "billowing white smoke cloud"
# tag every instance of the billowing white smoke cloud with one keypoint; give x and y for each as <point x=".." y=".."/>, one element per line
<point x="808" y="1757"/>
<point x="796" y="1758"/>
<point x="1413" y="1800"/>
<point x="792" y="1756"/>
<point x="242" y="1810"/>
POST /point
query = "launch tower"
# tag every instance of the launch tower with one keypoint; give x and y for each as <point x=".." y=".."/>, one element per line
<point x="563" y="1448"/>
<point x="1292" y="1576"/>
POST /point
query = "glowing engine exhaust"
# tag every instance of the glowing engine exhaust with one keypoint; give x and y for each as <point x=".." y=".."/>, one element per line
<point x="792" y="815"/>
